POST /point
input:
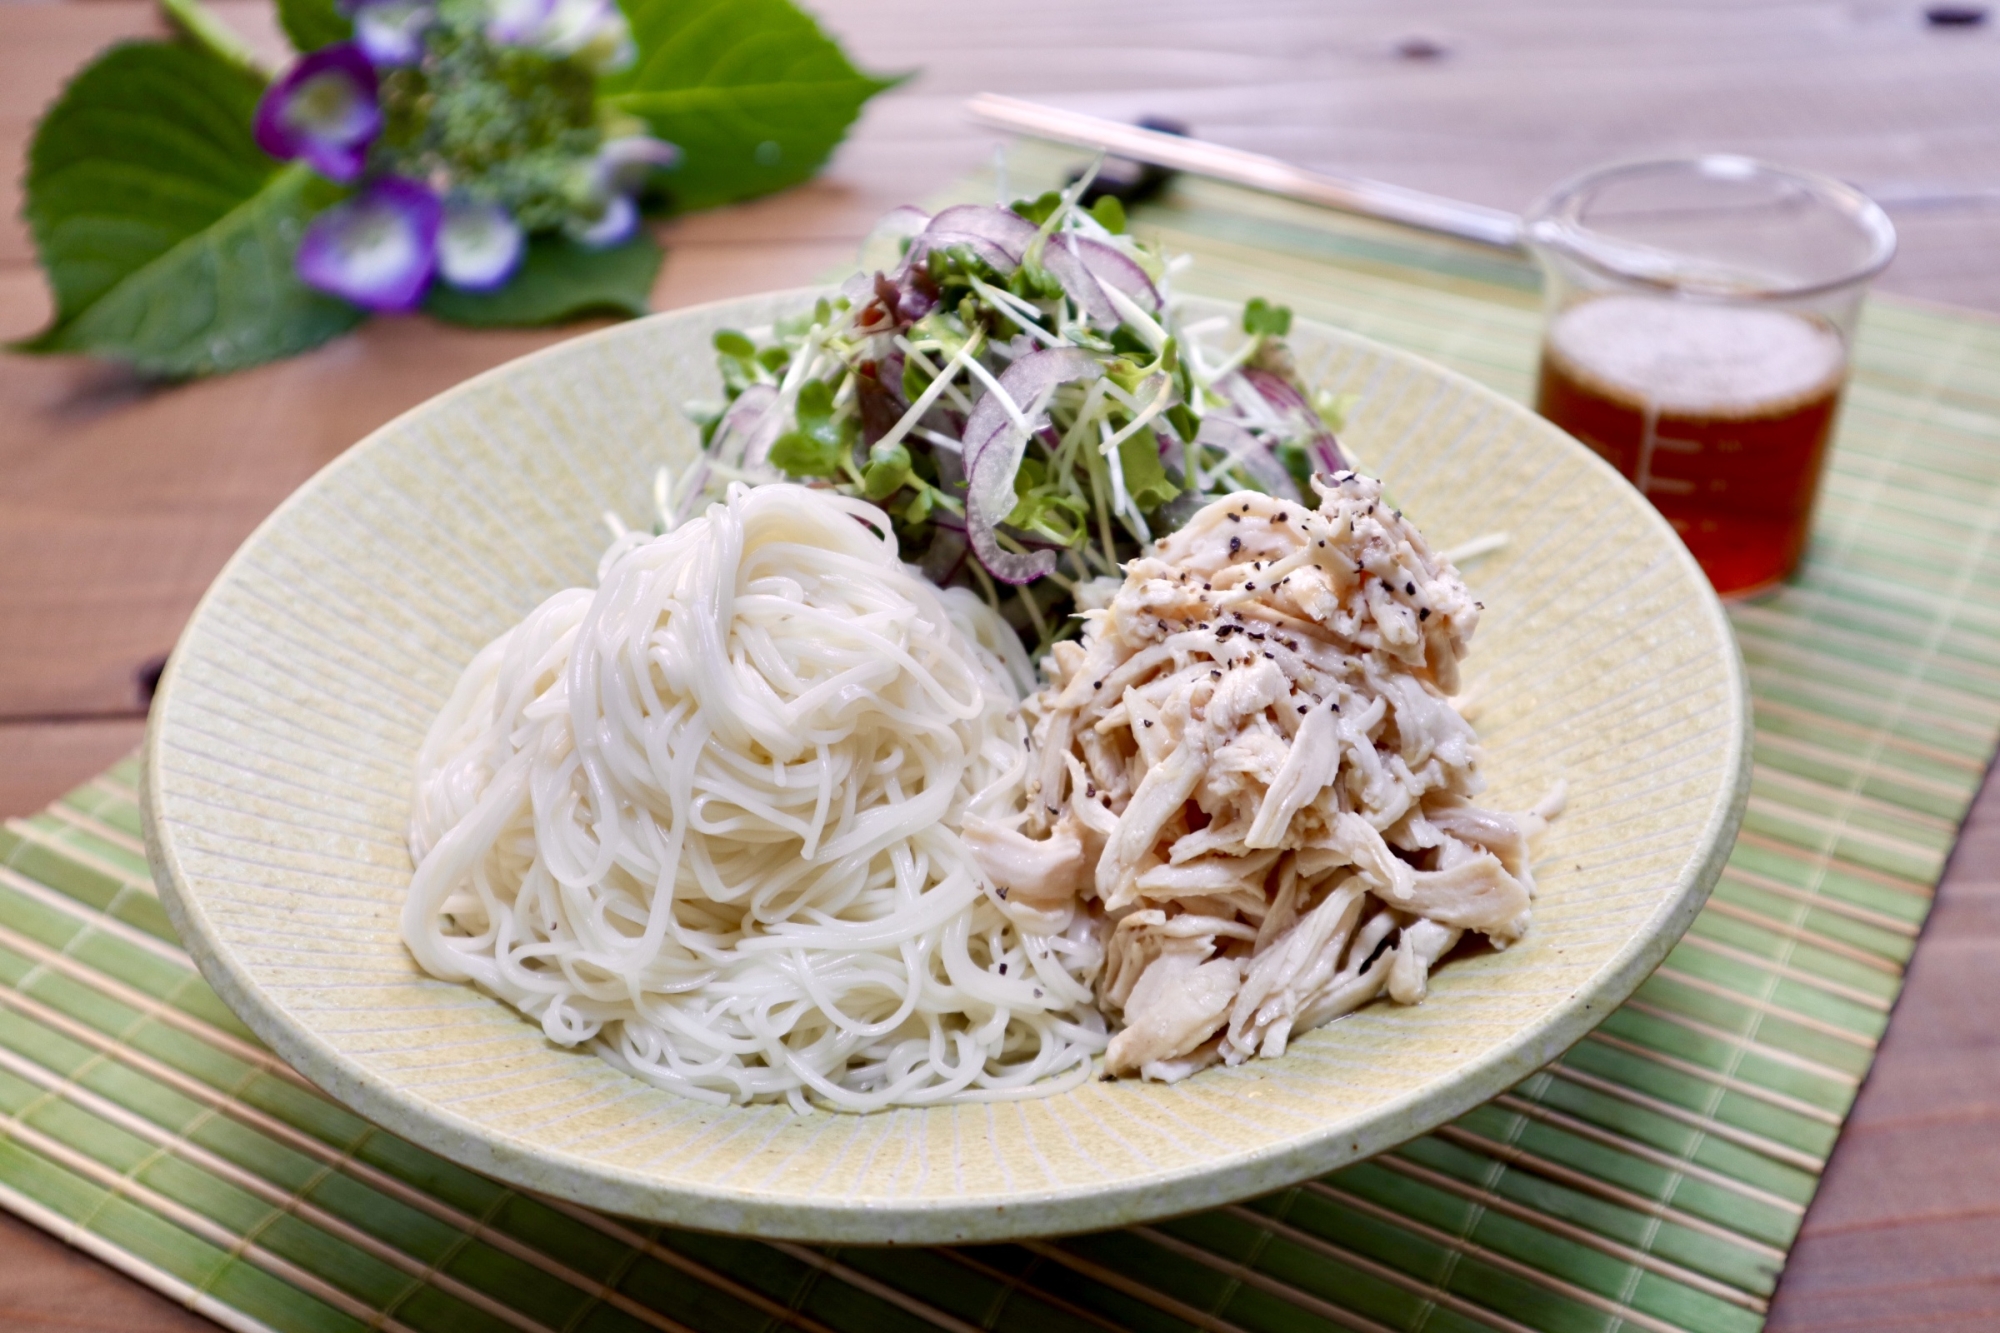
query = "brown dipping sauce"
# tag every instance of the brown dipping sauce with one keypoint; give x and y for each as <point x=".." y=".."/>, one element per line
<point x="1719" y="414"/>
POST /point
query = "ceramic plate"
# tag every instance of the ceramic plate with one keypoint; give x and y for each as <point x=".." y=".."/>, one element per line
<point x="279" y="772"/>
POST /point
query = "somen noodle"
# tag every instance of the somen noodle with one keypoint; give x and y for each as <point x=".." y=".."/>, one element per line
<point x="704" y="819"/>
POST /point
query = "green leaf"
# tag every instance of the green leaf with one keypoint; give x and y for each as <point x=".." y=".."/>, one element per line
<point x="1261" y="317"/>
<point x="731" y="343"/>
<point x="1110" y="214"/>
<point x="166" y="233"/>
<point x="1333" y="408"/>
<point x="1146" y="480"/>
<point x="558" y="279"/>
<point x="1046" y="512"/>
<point x="754" y="94"/>
<point x="1039" y="209"/>
<point x="1298" y="465"/>
<point x="800" y="455"/>
<point x="819" y="444"/>
<point x="815" y="411"/>
<point x="886" y="472"/>
<point x="201" y="26"/>
<point x="312" y="24"/>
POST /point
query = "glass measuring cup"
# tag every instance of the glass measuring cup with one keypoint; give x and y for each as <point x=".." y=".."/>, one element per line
<point x="1700" y="312"/>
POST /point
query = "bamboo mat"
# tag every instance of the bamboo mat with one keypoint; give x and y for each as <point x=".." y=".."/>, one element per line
<point x="1653" y="1178"/>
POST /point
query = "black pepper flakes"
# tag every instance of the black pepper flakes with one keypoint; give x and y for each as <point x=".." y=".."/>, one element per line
<point x="1423" y="613"/>
<point x="1304" y="709"/>
<point x="1235" y="545"/>
<point x="1149" y="721"/>
<point x="1250" y="587"/>
<point x="1096" y="684"/>
<point x="1409" y="589"/>
<point x="1236" y="518"/>
<point x="1003" y="969"/>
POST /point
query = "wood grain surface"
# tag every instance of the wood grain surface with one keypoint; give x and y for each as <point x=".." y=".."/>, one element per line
<point x="120" y="500"/>
<point x="1905" y="1231"/>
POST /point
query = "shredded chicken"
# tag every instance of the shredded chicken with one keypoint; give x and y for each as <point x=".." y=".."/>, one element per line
<point x="1249" y="772"/>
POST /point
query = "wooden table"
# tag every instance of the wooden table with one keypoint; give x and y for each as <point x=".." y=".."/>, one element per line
<point x="119" y="501"/>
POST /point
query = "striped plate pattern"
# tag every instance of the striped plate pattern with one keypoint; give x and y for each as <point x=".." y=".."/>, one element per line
<point x="1652" y="1177"/>
<point x="283" y="739"/>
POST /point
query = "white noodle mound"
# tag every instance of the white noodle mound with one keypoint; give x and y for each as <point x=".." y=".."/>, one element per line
<point x="704" y="818"/>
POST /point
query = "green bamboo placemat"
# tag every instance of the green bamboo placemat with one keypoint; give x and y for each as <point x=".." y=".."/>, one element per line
<point x="1652" y="1178"/>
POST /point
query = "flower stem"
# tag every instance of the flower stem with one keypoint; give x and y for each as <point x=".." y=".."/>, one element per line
<point x="202" y="24"/>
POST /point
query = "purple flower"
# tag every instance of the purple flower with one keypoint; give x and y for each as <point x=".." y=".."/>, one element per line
<point x="593" y="32"/>
<point x="323" y="110"/>
<point x="625" y="163"/>
<point x="619" y="173"/>
<point x="614" y="226"/>
<point x="391" y="32"/>
<point x="518" y="22"/>
<point x="479" y="246"/>
<point x="377" y="249"/>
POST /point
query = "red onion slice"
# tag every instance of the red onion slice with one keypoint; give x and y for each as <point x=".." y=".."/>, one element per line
<point x="907" y="302"/>
<point x="996" y="226"/>
<point x="859" y="289"/>
<point x="900" y="223"/>
<point x="993" y="446"/>
<point x="1288" y="400"/>
<point x="997" y="236"/>
<point x="1254" y="455"/>
<point x="1066" y="265"/>
<point x="1114" y="268"/>
<point x="751" y="425"/>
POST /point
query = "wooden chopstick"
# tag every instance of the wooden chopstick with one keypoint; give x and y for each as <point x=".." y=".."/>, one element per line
<point x="1351" y="194"/>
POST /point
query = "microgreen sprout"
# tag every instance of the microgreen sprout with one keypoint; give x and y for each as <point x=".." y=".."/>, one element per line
<point x="1022" y="398"/>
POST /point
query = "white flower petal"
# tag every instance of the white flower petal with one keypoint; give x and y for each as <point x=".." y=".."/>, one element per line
<point x="391" y="32"/>
<point x="518" y="22"/>
<point x="594" y="32"/>
<point x="625" y="163"/>
<point x="619" y="220"/>
<point x="479" y="246"/>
